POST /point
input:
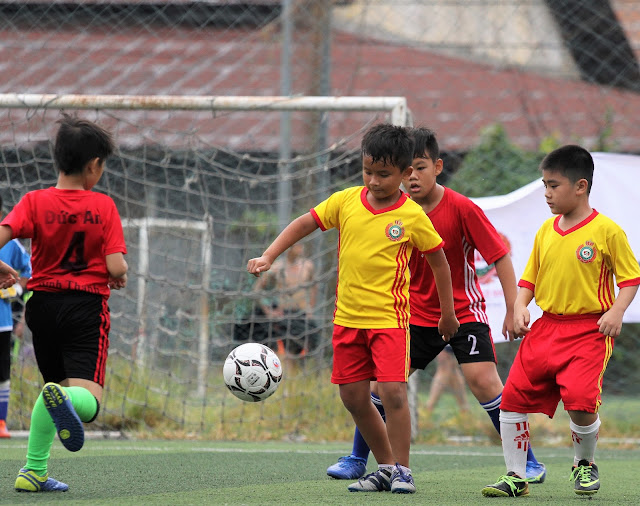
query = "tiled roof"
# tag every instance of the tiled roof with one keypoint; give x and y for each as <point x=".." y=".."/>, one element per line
<point x="454" y="96"/>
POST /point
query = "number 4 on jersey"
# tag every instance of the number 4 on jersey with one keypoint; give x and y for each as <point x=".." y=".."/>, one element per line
<point x="73" y="259"/>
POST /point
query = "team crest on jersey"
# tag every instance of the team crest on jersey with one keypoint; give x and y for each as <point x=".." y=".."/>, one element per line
<point x="395" y="231"/>
<point x="586" y="252"/>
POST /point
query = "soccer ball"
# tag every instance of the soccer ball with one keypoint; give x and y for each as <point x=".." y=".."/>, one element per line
<point x="252" y="372"/>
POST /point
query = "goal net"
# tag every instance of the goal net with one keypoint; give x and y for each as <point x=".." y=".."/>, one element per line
<point x="203" y="184"/>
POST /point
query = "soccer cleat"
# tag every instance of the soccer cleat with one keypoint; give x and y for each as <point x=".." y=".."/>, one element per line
<point x="585" y="476"/>
<point x="4" y="433"/>
<point x="348" y="468"/>
<point x="510" y="485"/>
<point x="401" y="482"/>
<point x="379" y="481"/>
<point x="67" y="421"/>
<point x="536" y="472"/>
<point x="29" y="481"/>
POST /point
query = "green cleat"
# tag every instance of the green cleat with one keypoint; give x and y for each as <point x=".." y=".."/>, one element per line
<point x="29" y="481"/>
<point x="585" y="476"/>
<point x="510" y="485"/>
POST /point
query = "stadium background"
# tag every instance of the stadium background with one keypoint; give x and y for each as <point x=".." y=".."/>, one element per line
<point x="200" y="192"/>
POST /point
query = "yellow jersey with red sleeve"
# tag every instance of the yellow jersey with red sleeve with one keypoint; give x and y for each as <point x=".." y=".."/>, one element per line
<point x="374" y="248"/>
<point x="572" y="271"/>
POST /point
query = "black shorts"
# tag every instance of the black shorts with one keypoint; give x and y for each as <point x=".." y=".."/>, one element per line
<point x="70" y="334"/>
<point x="472" y="343"/>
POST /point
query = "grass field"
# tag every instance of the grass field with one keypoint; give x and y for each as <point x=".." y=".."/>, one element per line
<point x="122" y="472"/>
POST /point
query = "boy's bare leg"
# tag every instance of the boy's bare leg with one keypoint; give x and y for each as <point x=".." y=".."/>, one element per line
<point x="483" y="380"/>
<point x="396" y="407"/>
<point x="356" y="397"/>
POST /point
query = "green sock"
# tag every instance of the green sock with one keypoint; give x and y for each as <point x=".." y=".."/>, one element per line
<point x="41" y="434"/>
<point x="43" y="430"/>
<point x="83" y="402"/>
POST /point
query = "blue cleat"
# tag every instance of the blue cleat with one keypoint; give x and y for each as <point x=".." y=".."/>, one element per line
<point x="536" y="472"/>
<point x="29" y="481"/>
<point x="348" y="468"/>
<point x="68" y="424"/>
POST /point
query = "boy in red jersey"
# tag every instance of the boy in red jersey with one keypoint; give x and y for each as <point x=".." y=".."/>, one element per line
<point x="565" y="352"/>
<point x="379" y="226"/>
<point x="78" y="256"/>
<point x="465" y="229"/>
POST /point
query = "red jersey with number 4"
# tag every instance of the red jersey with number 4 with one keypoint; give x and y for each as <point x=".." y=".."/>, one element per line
<point x="71" y="233"/>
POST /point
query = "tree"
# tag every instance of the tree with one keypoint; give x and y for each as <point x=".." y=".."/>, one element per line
<point x="495" y="166"/>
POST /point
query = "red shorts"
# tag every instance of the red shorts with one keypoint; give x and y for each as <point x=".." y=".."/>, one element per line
<point x="370" y="354"/>
<point x="562" y="358"/>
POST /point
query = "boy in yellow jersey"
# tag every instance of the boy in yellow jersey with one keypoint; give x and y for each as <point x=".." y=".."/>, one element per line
<point x="565" y="352"/>
<point x="379" y="226"/>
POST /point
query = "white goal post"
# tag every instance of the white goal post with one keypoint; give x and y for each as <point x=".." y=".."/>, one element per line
<point x="143" y="226"/>
<point x="397" y="106"/>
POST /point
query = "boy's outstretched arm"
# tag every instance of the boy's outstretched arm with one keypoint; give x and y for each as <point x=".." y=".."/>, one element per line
<point x="611" y="322"/>
<point x="507" y="277"/>
<point x="448" y="324"/>
<point x="301" y="227"/>
<point x="521" y="315"/>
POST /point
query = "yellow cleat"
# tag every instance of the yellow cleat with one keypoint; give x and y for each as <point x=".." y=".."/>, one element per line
<point x="29" y="481"/>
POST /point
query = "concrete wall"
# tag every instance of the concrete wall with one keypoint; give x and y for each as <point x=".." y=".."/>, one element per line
<point x="499" y="32"/>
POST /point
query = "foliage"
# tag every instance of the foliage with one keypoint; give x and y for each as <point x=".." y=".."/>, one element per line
<point x="495" y="166"/>
<point x="259" y="223"/>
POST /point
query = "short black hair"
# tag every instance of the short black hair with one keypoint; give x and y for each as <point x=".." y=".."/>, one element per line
<point x="79" y="141"/>
<point x="389" y="144"/>
<point x="572" y="161"/>
<point x="425" y="142"/>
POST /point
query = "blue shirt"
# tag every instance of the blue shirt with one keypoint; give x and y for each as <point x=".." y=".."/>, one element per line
<point x="17" y="257"/>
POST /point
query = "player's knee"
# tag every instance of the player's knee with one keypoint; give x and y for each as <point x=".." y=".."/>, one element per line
<point x="394" y="397"/>
<point x="351" y="401"/>
<point x="352" y="405"/>
<point x="484" y="387"/>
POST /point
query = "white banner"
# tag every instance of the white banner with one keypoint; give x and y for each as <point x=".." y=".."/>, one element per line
<point x="519" y="214"/>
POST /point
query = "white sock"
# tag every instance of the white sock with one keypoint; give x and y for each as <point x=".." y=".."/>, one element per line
<point x="514" y="431"/>
<point x="585" y="439"/>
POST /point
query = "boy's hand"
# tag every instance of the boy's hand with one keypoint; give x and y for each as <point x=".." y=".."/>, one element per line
<point x="508" y="330"/>
<point x="521" y="320"/>
<point x="8" y="276"/>
<point x="610" y="323"/>
<point x="448" y="326"/>
<point x="257" y="265"/>
<point x="117" y="283"/>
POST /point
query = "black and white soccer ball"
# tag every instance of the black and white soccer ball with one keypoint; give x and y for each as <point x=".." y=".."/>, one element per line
<point x="252" y="372"/>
